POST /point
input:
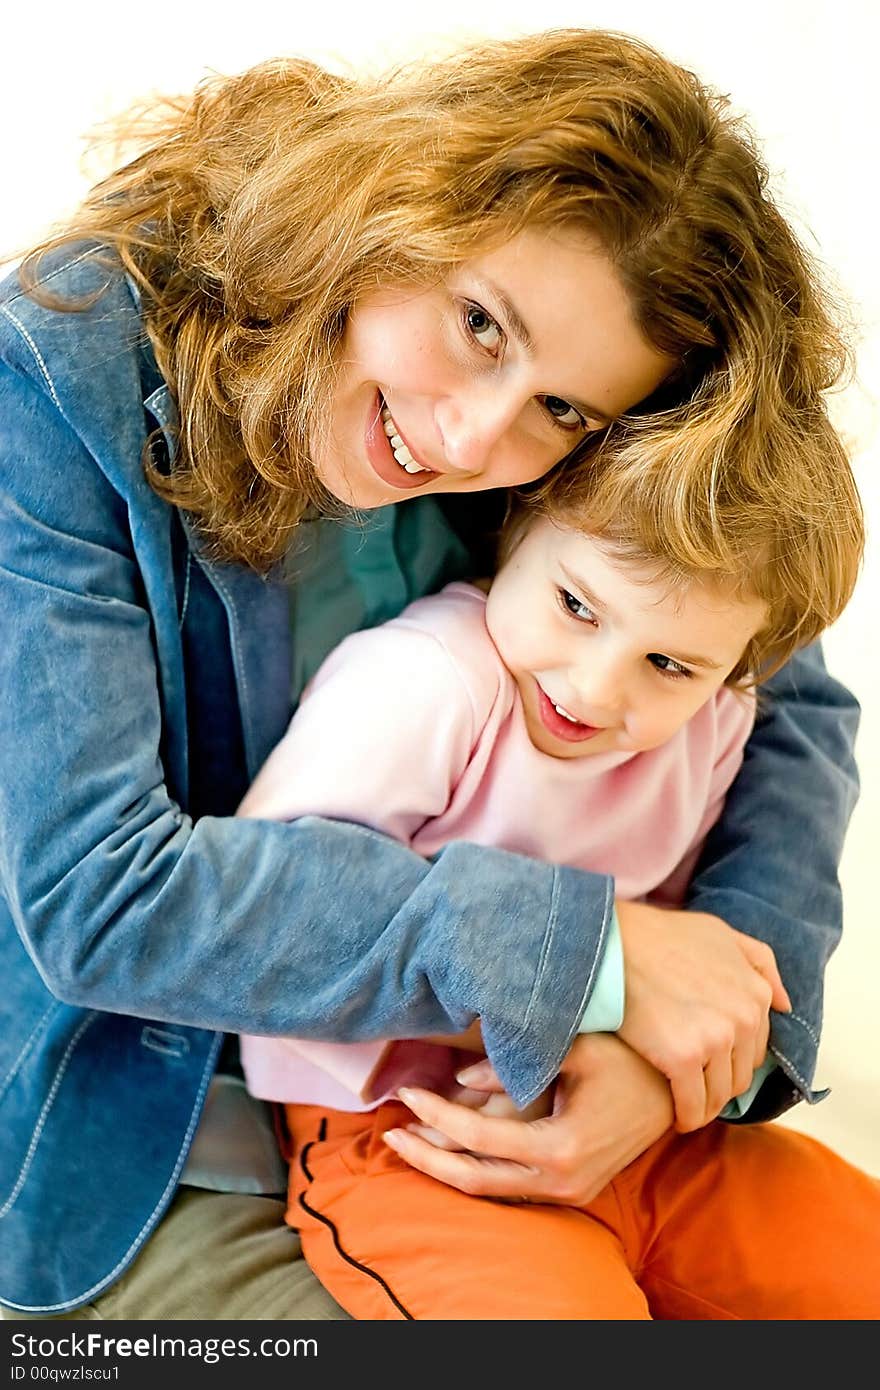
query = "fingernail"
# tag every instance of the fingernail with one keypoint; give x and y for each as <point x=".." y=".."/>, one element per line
<point x="393" y="1138"/>
<point x="405" y="1094"/>
<point x="469" y="1076"/>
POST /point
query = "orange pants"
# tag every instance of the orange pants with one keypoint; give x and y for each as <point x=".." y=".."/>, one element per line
<point x="752" y="1222"/>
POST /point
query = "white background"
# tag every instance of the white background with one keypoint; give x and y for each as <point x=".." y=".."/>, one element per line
<point x="804" y="71"/>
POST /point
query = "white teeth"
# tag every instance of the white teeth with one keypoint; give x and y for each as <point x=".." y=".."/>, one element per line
<point x="565" y="714"/>
<point x="398" y="446"/>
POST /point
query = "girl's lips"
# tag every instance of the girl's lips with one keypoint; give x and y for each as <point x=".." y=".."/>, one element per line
<point x="561" y="727"/>
<point x="382" y="460"/>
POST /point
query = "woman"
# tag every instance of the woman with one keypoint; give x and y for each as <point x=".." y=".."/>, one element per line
<point x="494" y="258"/>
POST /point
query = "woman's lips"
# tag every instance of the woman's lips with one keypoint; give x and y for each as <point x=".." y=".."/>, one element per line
<point x="561" y="727"/>
<point x="382" y="460"/>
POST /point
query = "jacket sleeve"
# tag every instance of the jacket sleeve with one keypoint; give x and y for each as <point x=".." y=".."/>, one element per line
<point x="312" y="929"/>
<point x="770" y="865"/>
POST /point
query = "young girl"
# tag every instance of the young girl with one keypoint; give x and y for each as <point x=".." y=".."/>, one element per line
<point x="589" y="711"/>
<point x="505" y="253"/>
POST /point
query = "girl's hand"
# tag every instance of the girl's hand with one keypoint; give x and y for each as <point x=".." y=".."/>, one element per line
<point x="609" y="1106"/>
<point x="698" y="1000"/>
<point x="489" y="1099"/>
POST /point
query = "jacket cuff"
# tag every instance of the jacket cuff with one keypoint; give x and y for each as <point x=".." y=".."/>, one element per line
<point x="528" y="1057"/>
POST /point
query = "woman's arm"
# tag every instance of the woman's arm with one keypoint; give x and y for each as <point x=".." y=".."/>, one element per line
<point x="770" y="866"/>
<point x="125" y="905"/>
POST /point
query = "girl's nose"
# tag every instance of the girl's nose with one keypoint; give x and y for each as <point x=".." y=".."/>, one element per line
<point x="600" y="686"/>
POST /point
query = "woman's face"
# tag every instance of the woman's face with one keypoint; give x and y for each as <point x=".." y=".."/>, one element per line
<point x="486" y="380"/>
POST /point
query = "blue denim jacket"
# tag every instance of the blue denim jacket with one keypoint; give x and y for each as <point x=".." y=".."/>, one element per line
<point x="142" y="686"/>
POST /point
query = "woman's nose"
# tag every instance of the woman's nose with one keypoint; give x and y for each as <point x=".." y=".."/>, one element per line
<point x="475" y="425"/>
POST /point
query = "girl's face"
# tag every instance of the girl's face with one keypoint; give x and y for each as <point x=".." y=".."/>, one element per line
<point x="486" y="380"/>
<point x="606" y="658"/>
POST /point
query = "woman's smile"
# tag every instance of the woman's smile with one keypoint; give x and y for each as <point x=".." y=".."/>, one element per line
<point x="389" y="453"/>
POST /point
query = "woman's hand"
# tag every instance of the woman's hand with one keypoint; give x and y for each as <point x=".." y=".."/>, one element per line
<point x="698" y="1000"/>
<point x="609" y="1106"/>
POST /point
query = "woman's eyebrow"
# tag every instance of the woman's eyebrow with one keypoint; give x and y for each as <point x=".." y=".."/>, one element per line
<point x="511" y="313"/>
<point x="520" y="331"/>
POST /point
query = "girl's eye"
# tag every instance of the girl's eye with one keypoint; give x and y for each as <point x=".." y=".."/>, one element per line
<point x="482" y="327"/>
<point x="564" y="414"/>
<point x="575" y="607"/>
<point x="667" y="667"/>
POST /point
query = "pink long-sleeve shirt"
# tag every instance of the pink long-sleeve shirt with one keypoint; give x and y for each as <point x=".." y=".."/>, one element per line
<point x="416" y="729"/>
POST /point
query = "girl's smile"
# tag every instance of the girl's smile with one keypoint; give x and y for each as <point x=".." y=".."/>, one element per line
<point x="560" y="724"/>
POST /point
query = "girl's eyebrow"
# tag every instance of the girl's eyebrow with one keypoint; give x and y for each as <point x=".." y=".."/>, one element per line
<point x="588" y="597"/>
<point x="705" y="663"/>
<point x="520" y="331"/>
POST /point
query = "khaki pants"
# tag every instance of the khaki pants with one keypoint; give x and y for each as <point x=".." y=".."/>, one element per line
<point x="215" y="1255"/>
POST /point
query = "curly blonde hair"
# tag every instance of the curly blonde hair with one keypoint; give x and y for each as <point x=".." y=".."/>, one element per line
<point x="266" y="204"/>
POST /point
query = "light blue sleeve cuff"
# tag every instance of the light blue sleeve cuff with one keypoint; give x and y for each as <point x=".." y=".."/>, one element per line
<point x="735" y="1109"/>
<point x="604" y="1012"/>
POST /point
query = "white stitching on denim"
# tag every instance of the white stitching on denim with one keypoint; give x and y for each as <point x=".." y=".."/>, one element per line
<point x="142" y="1233"/>
<point x="185" y="604"/>
<point x="796" y="1018"/>
<point x="16" y="322"/>
<point x="47" y="1106"/>
<point x="59" y="270"/>
<point x="790" y="1068"/>
<point x="5" y="309"/>
<point x="37" y="1030"/>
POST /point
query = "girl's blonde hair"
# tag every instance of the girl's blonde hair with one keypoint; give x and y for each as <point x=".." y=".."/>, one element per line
<point x="265" y="205"/>
<point x="787" y="529"/>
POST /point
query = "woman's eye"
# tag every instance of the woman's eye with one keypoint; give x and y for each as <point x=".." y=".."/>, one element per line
<point x="575" y="607"/>
<point x="482" y="327"/>
<point x="667" y="667"/>
<point x="564" y="414"/>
